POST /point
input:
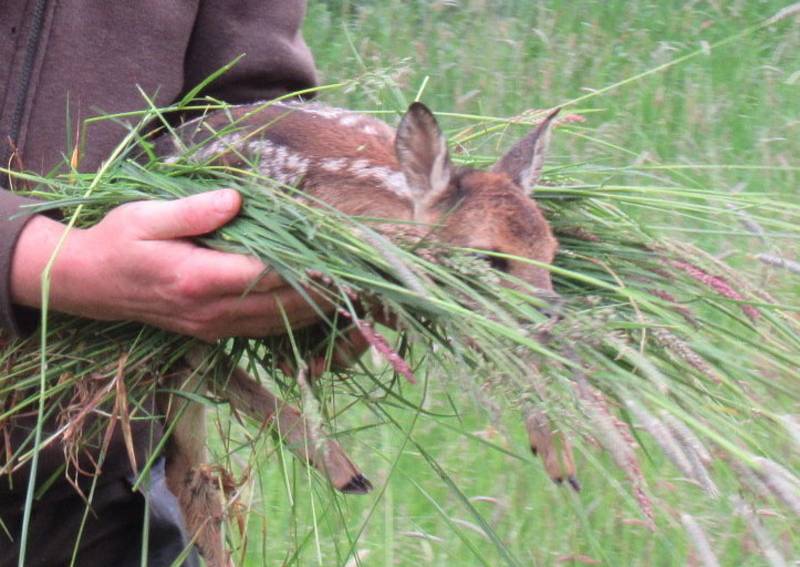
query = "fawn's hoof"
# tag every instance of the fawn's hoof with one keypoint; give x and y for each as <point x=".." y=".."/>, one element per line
<point x="359" y="484"/>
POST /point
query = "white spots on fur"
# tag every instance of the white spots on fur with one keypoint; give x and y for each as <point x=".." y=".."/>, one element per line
<point x="345" y="118"/>
<point x="279" y="162"/>
<point x="231" y="142"/>
<point x="290" y="167"/>
<point x="391" y="179"/>
<point x="350" y="120"/>
<point x="332" y="165"/>
<point x="297" y="162"/>
<point x="207" y="152"/>
<point x="363" y="169"/>
<point x="360" y="167"/>
<point x="175" y="148"/>
<point x="315" y="108"/>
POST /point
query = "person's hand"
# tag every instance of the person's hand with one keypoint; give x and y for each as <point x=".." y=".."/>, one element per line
<point x="137" y="264"/>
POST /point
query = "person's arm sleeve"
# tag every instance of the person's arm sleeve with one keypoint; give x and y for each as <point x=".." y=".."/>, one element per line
<point x="266" y="33"/>
<point x="14" y="320"/>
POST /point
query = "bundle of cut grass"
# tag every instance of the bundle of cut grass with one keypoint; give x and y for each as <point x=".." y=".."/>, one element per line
<point x="661" y="348"/>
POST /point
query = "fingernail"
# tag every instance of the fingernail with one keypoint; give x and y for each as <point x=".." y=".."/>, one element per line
<point x="226" y="200"/>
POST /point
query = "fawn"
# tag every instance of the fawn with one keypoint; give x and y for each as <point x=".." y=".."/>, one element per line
<point x="361" y="166"/>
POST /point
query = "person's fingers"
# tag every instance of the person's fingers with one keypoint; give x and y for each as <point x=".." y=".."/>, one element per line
<point x="190" y="216"/>
<point x="223" y="273"/>
<point x="262" y="314"/>
<point x="252" y="315"/>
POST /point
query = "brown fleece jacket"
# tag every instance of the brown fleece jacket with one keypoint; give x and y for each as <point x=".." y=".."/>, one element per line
<point x="62" y="61"/>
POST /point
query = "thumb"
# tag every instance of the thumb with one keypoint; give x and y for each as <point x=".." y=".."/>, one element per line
<point x="190" y="216"/>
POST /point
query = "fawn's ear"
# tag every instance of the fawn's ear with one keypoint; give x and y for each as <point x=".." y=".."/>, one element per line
<point x="523" y="162"/>
<point x="421" y="150"/>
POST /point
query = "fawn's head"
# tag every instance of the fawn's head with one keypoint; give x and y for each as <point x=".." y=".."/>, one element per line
<point x="485" y="210"/>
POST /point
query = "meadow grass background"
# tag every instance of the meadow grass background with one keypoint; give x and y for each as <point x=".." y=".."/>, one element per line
<point x="727" y="119"/>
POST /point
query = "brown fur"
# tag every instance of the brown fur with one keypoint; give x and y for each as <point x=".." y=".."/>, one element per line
<point x="552" y="447"/>
<point x="194" y="483"/>
<point x="478" y="209"/>
<point x="358" y="165"/>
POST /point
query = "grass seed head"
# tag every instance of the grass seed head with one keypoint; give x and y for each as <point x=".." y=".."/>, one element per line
<point x="792" y="425"/>
<point x="681" y="348"/>
<point x="771" y="553"/>
<point x="615" y="436"/>
<point x="382" y="346"/>
<point x="700" y="541"/>
<point x="718" y="284"/>
<point x="777" y="261"/>
<point x="784" y="485"/>
<point x="311" y="411"/>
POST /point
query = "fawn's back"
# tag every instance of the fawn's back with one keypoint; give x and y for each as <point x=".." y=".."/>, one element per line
<point x="361" y="166"/>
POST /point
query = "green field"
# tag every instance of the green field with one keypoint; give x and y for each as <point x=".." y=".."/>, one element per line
<point x="459" y="486"/>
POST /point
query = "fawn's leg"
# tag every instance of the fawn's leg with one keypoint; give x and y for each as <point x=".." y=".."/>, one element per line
<point x="248" y="396"/>
<point x="194" y="483"/>
<point x="553" y="447"/>
<point x="188" y="476"/>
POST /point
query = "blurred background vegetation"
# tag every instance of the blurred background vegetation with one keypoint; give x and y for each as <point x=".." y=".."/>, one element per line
<point x="732" y="106"/>
<point x="726" y="119"/>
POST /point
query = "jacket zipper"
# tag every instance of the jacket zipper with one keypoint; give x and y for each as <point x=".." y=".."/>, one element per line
<point x="31" y="50"/>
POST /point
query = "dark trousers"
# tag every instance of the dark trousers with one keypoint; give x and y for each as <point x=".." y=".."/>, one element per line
<point x="113" y="530"/>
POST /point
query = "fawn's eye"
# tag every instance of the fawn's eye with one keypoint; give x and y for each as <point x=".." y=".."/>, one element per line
<point x="495" y="262"/>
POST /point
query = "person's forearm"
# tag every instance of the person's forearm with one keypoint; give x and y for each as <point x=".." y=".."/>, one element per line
<point x="139" y="264"/>
<point x="35" y="247"/>
<point x="14" y="217"/>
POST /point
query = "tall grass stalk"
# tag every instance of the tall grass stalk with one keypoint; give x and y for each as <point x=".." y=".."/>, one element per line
<point x="649" y="320"/>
